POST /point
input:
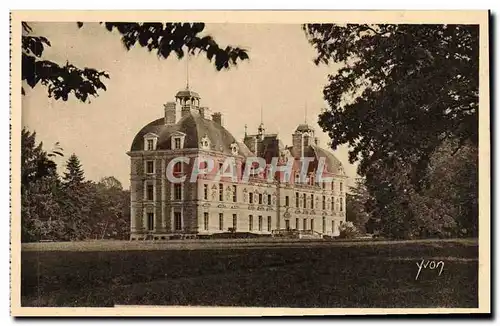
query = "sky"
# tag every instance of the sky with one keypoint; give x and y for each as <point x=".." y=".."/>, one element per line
<point x="280" y="78"/>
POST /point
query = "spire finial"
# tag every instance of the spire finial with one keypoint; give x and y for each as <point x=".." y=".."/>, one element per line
<point x="305" y="113"/>
<point x="187" y="70"/>
<point x="246" y="130"/>
<point x="261" y="115"/>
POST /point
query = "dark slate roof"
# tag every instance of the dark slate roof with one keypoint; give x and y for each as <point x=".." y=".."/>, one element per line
<point x="195" y="127"/>
<point x="187" y="93"/>
<point x="304" y="127"/>
<point x="332" y="163"/>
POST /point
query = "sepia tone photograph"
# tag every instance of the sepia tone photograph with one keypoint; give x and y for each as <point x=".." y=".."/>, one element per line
<point x="331" y="163"/>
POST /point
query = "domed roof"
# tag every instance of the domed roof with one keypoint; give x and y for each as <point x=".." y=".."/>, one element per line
<point x="187" y="93"/>
<point x="304" y="127"/>
<point x="332" y="163"/>
<point x="195" y="127"/>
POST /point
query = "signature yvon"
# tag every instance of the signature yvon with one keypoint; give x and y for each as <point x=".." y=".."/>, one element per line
<point x="429" y="264"/>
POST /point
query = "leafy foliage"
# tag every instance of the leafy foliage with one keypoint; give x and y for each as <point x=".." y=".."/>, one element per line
<point x="347" y="230"/>
<point x="405" y="101"/>
<point x="177" y="38"/>
<point x="163" y="38"/>
<point x="72" y="209"/>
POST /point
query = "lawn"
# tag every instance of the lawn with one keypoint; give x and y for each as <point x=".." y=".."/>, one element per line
<point x="264" y="274"/>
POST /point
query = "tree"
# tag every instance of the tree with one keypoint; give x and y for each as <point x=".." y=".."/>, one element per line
<point x="74" y="172"/>
<point x="402" y="95"/>
<point x="402" y="89"/>
<point x="162" y="38"/>
<point x="357" y="202"/>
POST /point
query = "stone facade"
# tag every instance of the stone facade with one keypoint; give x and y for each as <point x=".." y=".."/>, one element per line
<point x="160" y="208"/>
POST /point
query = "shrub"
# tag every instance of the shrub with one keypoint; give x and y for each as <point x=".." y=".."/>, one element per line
<point x="347" y="230"/>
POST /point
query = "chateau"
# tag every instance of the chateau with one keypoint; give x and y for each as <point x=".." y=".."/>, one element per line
<point x="161" y="208"/>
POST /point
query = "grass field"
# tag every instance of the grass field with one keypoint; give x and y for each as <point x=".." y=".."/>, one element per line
<point x="235" y="273"/>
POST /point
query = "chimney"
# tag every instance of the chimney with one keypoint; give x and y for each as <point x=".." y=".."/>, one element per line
<point x="217" y="118"/>
<point x="169" y="113"/>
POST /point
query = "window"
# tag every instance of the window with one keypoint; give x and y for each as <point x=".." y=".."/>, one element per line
<point x="304" y="224"/>
<point x="287" y="201"/>
<point x="296" y="223"/>
<point x="150" y="167"/>
<point x="333" y="204"/>
<point x="260" y="223"/>
<point x="260" y="199"/>
<point x="250" y="222"/>
<point x="177" y="221"/>
<point x="235" y="221"/>
<point x="177" y="143"/>
<point x="205" y="221"/>
<point x="177" y="191"/>
<point x="304" y="199"/>
<point x="269" y="200"/>
<point x="150" y="144"/>
<point x="221" y="192"/>
<point x="297" y="199"/>
<point x="333" y="185"/>
<point x="269" y="223"/>
<point x="221" y="221"/>
<point x="312" y="224"/>
<point x="341" y="205"/>
<point x="150" y="189"/>
<point x="324" y="202"/>
<point x="333" y="226"/>
<point x="312" y="201"/>
<point x="341" y="186"/>
<point x="235" y="194"/>
<point x="287" y="224"/>
<point x="177" y="168"/>
<point x="250" y="198"/>
<point x="205" y="191"/>
<point x="324" y="225"/>
<point x="151" y="221"/>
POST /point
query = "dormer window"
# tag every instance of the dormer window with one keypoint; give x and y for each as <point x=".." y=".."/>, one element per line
<point x="234" y="148"/>
<point x="205" y="142"/>
<point x="150" y="141"/>
<point x="178" y="140"/>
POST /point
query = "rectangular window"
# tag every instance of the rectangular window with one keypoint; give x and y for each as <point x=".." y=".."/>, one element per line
<point x="221" y="192"/>
<point x="177" y="221"/>
<point x="312" y="201"/>
<point x="333" y="226"/>
<point x="151" y="221"/>
<point x="150" y="167"/>
<point x="177" y="143"/>
<point x="250" y="198"/>
<point x="333" y="185"/>
<point x="341" y="205"/>
<point x="287" y="224"/>
<point x="305" y="200"/>
<point x="287" y="201"/>
<point x="304" y="224"/>
<point x="150" y="144"/>
<point x="341" y="187"/>
<point x="296" y="223"/>
<point x="177" y="191"/>
<point x="235" y="194"/>
<point x="312" y="224"/>
<point x="297" y="199"/>
<point x="269" y="223"/>
<point x="260" y="223"/>
<point x="333" y="204"/>
<point x="324" y="225"/>
<point x="205" y="221"/>
<point x="235" y="221"/>
<point x="221" y="221"/>
<point x="324" y="202"/>
<point x="250" y="222"/>
<point x="205" y="191"/>
<point x="150" y="192"/>
<point x="269" y="200"/>
<point x="260" y="199"/>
